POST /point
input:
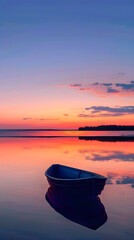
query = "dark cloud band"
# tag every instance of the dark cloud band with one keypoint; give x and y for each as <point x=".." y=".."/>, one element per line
<point x="101" y="111"/>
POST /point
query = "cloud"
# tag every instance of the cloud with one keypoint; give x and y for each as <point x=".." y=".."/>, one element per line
<point x="121" y="74"/>
<point x="107" y="84"/>
<point x="105" y="89"/>
<point x="40" y="119"/>
<point x="75" y="85"/>
<point x="27" y="118"/>
<point x="66" y="115"/>
<point x="124" y="109"/>
<point x="83" y="115"/>
<point x="99" y="115"/>
<point x="112" y="90"/>
<point x="84" y="89"/>
<point x="96" y="83"/>
<point x="71" y="85"/>
<point x="126" y="86"/>
<point x="101" y="111"/>
<point x="47" y="119"/>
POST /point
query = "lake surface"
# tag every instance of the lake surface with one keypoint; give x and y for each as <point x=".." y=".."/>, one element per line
<point x="25" y="214"/>
<point x="66" y="133"/>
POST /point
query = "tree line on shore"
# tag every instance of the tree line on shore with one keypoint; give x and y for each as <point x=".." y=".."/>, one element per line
<point x="108" y="128"/>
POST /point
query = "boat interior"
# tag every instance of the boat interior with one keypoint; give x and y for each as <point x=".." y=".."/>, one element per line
<point x="64" y="172"/>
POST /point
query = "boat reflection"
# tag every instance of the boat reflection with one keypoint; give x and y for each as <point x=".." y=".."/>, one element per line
<point x="84" y="210"/>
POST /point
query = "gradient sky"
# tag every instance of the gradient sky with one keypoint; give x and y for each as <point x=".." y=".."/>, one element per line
<point x="66" y="63"/>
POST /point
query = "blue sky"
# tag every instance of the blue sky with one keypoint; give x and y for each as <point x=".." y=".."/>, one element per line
<point x="44" y="44"/>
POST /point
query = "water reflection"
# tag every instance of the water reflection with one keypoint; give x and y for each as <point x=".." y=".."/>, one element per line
<point x="87" y="135"/>
<point x="24" y="214"/>
<point x="110" y="138"/>
<point x="125" y="180"/>
<point x="108" y="156"/>
<point x="84" y="210"/>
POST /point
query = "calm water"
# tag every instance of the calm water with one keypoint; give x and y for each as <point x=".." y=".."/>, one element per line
<point x="24" y="212"/>
<point x="66" y="133"/>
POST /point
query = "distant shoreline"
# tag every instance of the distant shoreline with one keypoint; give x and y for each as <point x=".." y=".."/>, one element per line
<point x="98" y="128"/>
<point x="108" y="128"/>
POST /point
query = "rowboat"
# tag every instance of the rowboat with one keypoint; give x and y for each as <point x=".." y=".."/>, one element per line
<point x="74" y="181"/>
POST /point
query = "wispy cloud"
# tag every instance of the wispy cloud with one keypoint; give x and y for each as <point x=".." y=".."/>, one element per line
<point x="83" y="115"/>
<point x="126" y="86"/>
<point x="71" y="85"/>
<point x="40" y="119"/>
<point x="124" y="109"/>
<point x="106" y="84"/>
<point x="105" y="89"/>
<point x="101" y="111"/>
<point x="121" y="74"/>
<point x="46" y="119"/>
<point x="75" y="85"/>
<point x="96" y="83"/>
<point x="112" y="90"/>
<point x="27" y="119"/>
<point x="84" y="89"/>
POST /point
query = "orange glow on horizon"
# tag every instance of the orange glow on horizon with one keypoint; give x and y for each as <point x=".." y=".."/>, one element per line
<point x="66" y="122"/>
<point x="41" y="153"/>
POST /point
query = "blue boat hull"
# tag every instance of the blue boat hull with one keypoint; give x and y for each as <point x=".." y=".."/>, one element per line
<point x="74" y="181"/>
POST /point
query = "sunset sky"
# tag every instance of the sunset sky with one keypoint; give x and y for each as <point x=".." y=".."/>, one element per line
<point x="66" y="63"/>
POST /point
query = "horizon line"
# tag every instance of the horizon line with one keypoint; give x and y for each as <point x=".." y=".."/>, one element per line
<point x="58" y="129"/>
<point x="37" y="129"/>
